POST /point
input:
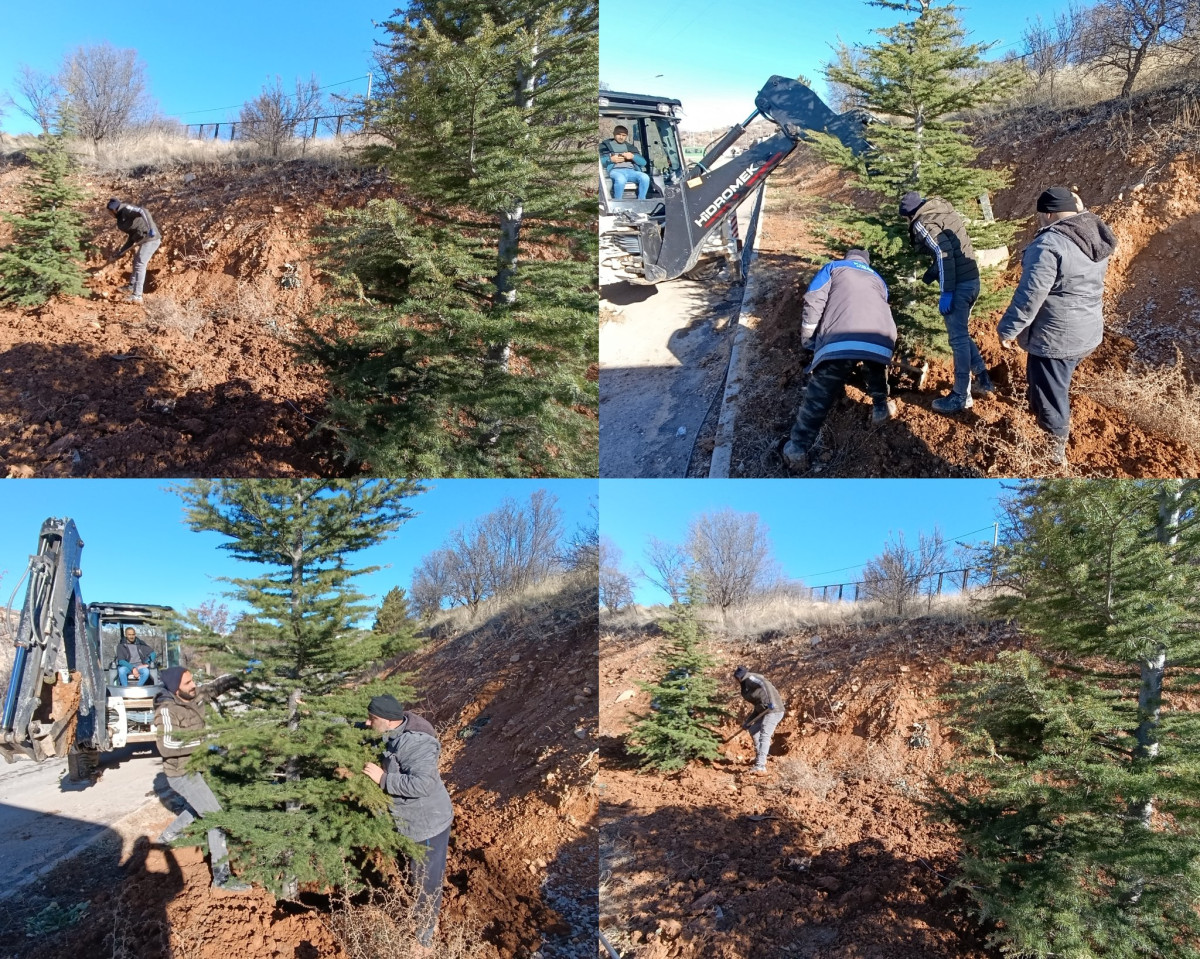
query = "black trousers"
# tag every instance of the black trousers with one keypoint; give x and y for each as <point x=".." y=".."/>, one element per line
<point x="426" y="877"/>
<point x="825" y="385"/>
<point x="1049" y="392"/>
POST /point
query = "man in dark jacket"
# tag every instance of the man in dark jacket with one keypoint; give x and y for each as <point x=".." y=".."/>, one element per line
<point x="765" y="716"/>
<point x="179" y="718"/>
<point x="134" y="660"/>
<point x="934" y="225"/>
<point x="139" y="225"/>
<point x="420" y="804"/>
<point x="623" y="164"/>
<point x="846" y="321"/>
<point x="1057" y="311"/>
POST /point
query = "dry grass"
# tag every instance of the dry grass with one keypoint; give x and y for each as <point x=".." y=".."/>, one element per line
<point x="795" y="775"/>
<point x="1159" y="400"/>
<point x="165" y="315"/>
<point x="386" y="927"/>
<point x="159" y="150"/>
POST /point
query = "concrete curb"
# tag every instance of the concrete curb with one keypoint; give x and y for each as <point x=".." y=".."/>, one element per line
<point x="722" y="455"/>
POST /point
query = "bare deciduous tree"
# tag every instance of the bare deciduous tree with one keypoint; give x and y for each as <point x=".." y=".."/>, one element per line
<point x="894" y="576"/>
<point x="616" y="586"/>
<point x="1050" y="46"/>
<point x="669" y="566"/>
<point x="105" y="90"/>
<point x="499" y="554"/>
<point x="1121" y="33"/>
<point x="42" y="94"/>
<point x="271" y="118"/>
<point x="731" y="553"/>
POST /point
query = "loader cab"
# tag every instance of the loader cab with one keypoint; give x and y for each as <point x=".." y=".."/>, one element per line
<point x="130" y="708"/>
<point x="653" y="124"/>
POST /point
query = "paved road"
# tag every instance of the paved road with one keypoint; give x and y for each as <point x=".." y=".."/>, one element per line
<point x="45" y="818"/>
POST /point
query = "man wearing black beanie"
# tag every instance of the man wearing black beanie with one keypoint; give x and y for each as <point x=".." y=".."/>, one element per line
<point x="179" y="718"/>
<point x="1057" y="311"/>
<point x="137" y="223"/>
<point x="421" y="806"/>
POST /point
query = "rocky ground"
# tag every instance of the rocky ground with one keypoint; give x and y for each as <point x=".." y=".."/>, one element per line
<point x="514" y="701"/>
<point x="832" y="854"/>
<point x="1132" y="416"/>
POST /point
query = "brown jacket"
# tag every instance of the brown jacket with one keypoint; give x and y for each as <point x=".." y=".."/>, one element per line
<point x="180" y="731"/>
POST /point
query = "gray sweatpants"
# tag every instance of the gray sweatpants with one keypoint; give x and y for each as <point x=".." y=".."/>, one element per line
<point x="762" y="729"/>
<point x="141" y="260"/>
<point x="199" y="799"/>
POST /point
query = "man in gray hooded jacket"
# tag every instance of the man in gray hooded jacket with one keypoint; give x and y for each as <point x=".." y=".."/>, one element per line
<point x="1057" y="311"/>
<point x="137" y="223"/>
<point x="420" y="804"/>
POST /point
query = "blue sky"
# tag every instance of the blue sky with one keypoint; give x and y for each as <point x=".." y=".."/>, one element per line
<point x="715" y="56"/>
<point x="818" y="527"/>
<point x="137" y="549"/>
<point x="200" y="56"/>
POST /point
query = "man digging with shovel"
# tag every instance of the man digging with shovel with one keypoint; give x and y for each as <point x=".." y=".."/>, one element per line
<point x="768" y="711"/>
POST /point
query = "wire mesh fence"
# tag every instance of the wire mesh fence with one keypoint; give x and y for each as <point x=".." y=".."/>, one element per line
<point x="945" y="582"/>
<point x="305" y="128"/>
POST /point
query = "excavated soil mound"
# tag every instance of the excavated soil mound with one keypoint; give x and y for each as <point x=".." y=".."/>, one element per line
<point x="200" y="379"/>
<point x="514" y="702"/>
<point x="829" y="855"/>
<point x="515" y="698"/>
<point x="1144" y="182"/>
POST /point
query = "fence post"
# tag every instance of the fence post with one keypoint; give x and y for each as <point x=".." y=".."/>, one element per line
<point x="314" y="133"/>
<point x="216" y="131"/>
<point x="940" y="575"/>
<point x="966" y="573"/>
<point x="338" y="130"/>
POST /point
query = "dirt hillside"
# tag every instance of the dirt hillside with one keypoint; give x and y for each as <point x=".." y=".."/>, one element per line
<point x="514" y="702"/>
<point x="831" y="854"/>
<point x="1137" y="168"/>
<point x="199" y="380"/>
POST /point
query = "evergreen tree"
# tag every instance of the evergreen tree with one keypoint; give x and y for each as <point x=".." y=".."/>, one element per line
<point x="1080" y="807"/>
<point x="917" y="82"/>
<point x="290" y="817"/>
<point x="395" y="623"/>
<point x="44" y="258"/>
<point x="468" y="347"/>
<point x="672" y="734"/>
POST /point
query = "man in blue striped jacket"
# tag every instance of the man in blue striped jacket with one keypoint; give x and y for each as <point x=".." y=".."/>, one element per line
<point x="936" y="227"/>
<point x="846" y="321"/>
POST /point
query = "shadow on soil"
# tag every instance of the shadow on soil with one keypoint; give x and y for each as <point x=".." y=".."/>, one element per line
<point x="759" y="886"/>
<point x="74" y="412"/>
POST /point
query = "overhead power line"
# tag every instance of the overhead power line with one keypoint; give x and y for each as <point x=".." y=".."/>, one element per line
<point x="234" y="106"/>
<point x="826" y="572"/>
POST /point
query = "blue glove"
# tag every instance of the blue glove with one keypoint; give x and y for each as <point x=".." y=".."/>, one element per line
<point x="945" y="303"/>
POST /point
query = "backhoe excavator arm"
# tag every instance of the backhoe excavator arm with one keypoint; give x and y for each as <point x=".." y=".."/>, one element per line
<point x="55" y="693"/>
<point x="671" y="242"/>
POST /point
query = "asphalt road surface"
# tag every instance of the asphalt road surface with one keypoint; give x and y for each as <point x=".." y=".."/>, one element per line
<point x="45" y="818"/>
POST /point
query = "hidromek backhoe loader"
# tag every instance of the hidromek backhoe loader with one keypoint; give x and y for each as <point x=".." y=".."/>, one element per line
<point x="689" y="210"/>
<point x="62" y="697"/>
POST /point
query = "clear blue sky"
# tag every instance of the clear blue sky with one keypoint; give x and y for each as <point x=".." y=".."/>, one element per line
<point x="216" y="54"/>
<point x="715" y="56"/>
<point x="137" y="548"/>
<point x="817" y="527"/>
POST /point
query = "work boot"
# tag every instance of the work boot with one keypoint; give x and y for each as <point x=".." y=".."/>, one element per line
<point x="981" y="384"/>
<point x="134" y="298"/>
<point x="1056" y="451"/>
<point x="223" y="879"/>
<point x="126" y="288"/>
<point x="953" y="403"/>
<point x="881" y="414"/>
<point x="795" y="457"/>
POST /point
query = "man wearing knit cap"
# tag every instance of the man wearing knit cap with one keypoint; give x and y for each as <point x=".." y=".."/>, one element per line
<point x="420" y="804"/>
<point x="1057" y="311"/>
<point x="768" y="711"/>
<point x="139" y="225"/>
<point x="846" y="322"/>
<point x="179" y="716"/>
<point x="934" y="225"/>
